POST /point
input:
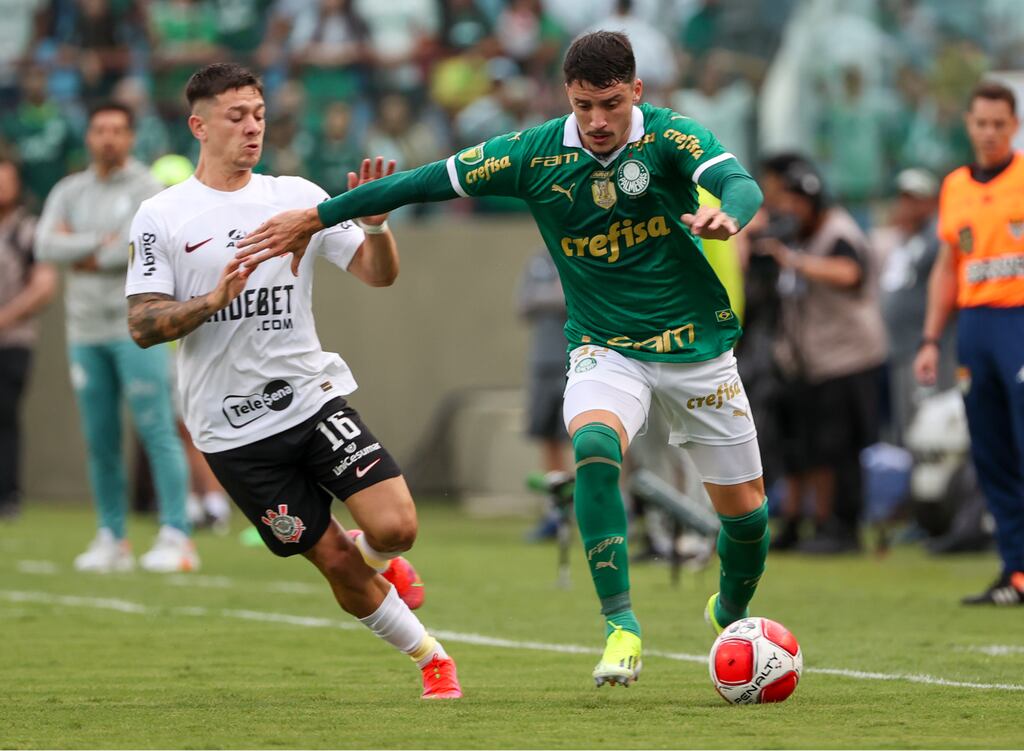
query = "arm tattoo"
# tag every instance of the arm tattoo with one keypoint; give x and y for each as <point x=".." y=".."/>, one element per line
<point x="154" y="318"/>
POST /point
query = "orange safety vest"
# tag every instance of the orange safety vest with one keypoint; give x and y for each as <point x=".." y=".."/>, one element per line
<point x="983" y="223"/>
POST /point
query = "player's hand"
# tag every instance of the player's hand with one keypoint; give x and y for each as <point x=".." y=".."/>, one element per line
<point x="711" y="223"/>
<point x="369" y="171"/>
<point x="288" y="232"/>
<point x="926" y="364"/>
<point x="230" y="285"/>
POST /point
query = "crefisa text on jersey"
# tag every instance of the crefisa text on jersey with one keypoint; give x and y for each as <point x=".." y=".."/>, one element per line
<point x="273" y="303"/>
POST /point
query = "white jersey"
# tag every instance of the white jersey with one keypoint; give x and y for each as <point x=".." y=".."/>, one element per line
<point x="257" y="367"/>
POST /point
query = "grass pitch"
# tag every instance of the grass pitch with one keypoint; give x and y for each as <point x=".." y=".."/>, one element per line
<point x="253" y="652"/>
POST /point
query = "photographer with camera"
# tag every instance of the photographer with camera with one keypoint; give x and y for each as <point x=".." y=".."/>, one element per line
<point x="829" y="349"/>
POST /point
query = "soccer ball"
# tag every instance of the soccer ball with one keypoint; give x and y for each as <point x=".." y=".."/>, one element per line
<point x="755" y="661"/>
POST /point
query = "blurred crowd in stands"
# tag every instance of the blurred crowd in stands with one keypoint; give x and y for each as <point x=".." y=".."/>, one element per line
<point x="867" y="86"/>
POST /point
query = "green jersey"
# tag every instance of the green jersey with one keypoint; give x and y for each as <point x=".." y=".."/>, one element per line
<point x="635" y="278"/>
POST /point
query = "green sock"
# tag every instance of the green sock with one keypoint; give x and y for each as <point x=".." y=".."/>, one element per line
<point x="626" y="619"/>
<point x="601" y="516"/>
<point x="742" y="550"/>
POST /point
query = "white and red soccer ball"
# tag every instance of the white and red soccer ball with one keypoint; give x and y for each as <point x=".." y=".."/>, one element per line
<point x="755" y="661"/>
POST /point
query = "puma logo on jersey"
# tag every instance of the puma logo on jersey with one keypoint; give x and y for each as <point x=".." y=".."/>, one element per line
<point x="566" y="192"/>
<point x="189" y="247"/>
<point x="740" y="413"/>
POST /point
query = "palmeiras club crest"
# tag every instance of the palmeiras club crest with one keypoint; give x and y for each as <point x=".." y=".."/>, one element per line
<point x="286" y="528"/>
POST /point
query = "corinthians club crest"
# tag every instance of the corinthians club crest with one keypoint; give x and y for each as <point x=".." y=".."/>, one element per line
<point x="603" y="189"/>
<point x="286" y="528"/>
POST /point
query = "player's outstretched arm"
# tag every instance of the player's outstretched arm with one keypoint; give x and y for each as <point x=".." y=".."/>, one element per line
<point x="290" y="231"/>
<point x="741" y="198"/>
<point x="154" y="318"/>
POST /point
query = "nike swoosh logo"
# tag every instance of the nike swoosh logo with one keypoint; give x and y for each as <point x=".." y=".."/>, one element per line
<point x="189" y="247"/>
<point x="361" y="471"/>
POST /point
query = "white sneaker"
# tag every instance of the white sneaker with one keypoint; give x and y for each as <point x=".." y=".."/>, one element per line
<point x="106" y="554"/>
<point x="172" y="552"/>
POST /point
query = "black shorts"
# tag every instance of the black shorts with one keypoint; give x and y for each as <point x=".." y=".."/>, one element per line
<point x="284" y="483"/>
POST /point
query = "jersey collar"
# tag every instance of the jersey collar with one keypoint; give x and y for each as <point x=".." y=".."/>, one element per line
<point x="571" y="136"/>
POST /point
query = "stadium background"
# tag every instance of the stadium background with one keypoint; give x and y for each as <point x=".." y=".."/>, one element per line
<point x="867" y="86"/>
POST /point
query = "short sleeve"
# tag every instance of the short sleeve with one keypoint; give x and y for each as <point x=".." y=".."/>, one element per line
<point x="339" y="242"/>
<point x="490" y="168"/>
<point x="690" y="147"/>
<point x="149" y="267"/>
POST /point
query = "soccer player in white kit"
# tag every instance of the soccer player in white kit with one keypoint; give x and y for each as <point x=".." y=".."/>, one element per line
<point x="262" y="400"/>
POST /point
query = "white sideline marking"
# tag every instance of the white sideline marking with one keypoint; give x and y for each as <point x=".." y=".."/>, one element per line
<point x="124" y="606"/>
<point x="226" y="582"/>
<point x="37" y="567"/>
<point x="101" y="603"/>
<point x="295" y="588"/>
<point x="199" y="580"/>
<point x="998" y="650"/>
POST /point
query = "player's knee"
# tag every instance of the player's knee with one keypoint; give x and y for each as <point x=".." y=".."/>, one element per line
<point x="598" y="443"/>
<point x="394" y="533"/>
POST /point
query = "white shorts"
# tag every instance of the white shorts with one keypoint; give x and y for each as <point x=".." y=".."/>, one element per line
<point x="703" y="403"/>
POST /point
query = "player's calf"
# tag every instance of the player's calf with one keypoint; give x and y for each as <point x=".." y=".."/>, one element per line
<point x="396" y="569"/>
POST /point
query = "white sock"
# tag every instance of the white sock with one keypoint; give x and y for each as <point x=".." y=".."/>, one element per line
<point x="193" y="508"/>
<point x="395" y="623"/>
<point x="376" y="560"/>
<point x="216" y="503"/>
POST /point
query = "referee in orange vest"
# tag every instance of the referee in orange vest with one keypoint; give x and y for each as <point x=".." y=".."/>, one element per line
<point x="980" y="271"/>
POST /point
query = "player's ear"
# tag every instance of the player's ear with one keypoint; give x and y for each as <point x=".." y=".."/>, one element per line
<point x="197" y="126"/>
<point x="638" y="90"/>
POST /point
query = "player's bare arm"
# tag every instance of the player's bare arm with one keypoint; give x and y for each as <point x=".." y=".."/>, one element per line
<point x="376" y="261"/>
<point x="154" y="318"/>
<point x="290" y="231"/>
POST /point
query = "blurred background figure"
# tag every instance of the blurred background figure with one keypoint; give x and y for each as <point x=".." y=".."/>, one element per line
<point x="909" y="245"/>
<point x="830" y="346"/>
<point x="542" y="305"/>
<point x="41" y="136"/>
<point x="755" y="351"/>
<point x="724" y="101"/>
<point x="26" y="287"/>
<point x="84" y="226"/>
<point x="330" y="48"/>
<point x="980" y="273"/>
<point x="655" y="59"/>
<point x="338" y="150"/>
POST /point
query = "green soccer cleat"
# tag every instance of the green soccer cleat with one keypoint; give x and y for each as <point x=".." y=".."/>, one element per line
<point x="620" y="664"/>
<point x="712" y="619"/>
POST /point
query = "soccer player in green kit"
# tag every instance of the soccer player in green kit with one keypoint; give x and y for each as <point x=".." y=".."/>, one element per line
<point x="613" y="189"/>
